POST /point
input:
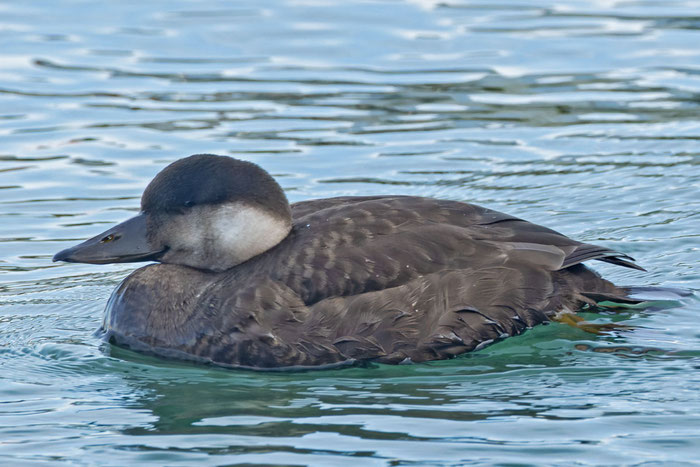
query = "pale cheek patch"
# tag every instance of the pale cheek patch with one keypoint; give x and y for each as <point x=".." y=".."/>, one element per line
<point x="240" y="232"/>
<point x="218" y="238"/>
<point x="182" y="233"/>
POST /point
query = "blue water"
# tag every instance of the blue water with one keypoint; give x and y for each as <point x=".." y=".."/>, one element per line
<point x="580" y="115"/>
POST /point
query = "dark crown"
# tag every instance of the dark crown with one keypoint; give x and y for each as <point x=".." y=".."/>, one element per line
<point x="210" y="179"/>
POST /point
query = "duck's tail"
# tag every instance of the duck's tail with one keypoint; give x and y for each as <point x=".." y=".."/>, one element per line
<point x="640" y="297"/>
<point x="591" y="289"/>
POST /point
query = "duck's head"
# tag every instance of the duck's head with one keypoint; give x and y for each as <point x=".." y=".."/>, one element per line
<point x="204" y="211"/>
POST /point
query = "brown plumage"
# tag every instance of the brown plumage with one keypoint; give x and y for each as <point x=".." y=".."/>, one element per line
<point x="388" y="279"/>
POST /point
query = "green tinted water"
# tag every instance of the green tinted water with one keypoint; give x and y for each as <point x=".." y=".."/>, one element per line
<point x="582" y="116"/>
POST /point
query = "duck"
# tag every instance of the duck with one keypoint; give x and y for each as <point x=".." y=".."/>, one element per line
<point x="240" y="278"/>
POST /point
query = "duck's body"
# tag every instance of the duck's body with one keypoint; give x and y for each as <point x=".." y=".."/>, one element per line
<point x="389" y="279"/>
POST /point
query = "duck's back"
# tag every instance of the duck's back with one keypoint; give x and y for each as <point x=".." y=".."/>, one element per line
<point x="380" y="278"/>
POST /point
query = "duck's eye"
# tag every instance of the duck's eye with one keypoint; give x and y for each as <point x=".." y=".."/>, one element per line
<point x="109" y="238"/>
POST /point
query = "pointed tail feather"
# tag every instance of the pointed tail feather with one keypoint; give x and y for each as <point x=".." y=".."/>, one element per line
<point x="622" y="260"/>
<point x="586" y="251"/>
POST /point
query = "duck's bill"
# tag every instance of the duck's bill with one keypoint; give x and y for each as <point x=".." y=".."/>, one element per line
<point x="124" y="243"/>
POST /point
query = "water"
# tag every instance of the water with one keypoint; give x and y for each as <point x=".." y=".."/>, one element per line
<point x="579" y="115"/>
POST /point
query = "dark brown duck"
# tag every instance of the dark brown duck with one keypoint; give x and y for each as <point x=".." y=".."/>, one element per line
<point x="247" y="280"/>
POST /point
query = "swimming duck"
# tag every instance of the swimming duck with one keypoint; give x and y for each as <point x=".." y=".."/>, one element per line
<point x="243" y="279"/>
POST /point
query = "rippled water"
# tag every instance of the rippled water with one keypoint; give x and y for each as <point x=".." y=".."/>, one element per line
<point x="580" y="115"/>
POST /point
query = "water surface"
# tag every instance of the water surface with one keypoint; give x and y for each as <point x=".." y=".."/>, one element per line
<point x="579" y="115"/>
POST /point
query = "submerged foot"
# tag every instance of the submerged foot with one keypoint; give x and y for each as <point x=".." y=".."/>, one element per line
<point x="579" y="322"/>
